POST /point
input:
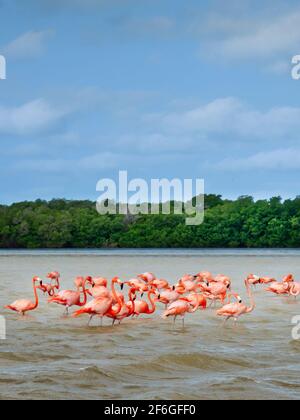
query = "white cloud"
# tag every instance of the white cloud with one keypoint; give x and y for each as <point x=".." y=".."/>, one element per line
<point x="32" y="117"/>
<point x="267" y="37"/>
<point x="262" y="38"/>
<point x="230" y="116"/>
<point x="281" y="159"/>
<point x="27" y="45"/>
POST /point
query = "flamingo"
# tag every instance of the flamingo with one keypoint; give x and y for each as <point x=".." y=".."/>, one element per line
<point x="49" y="287"/>
<point x="237" y="309"/>
<point x="281" y="288"/>
<point x="127" y="309"/>
<point x="216" y="291"/>
<point x="197" y="298"/>
<point x="23" y="306"/>
<point x="170" y="295"/>
<point x="142" y="307"/>
<point x="160" y="284"/>
<point x="188" y="283"/>
<point x="69" y="298"/>
<point x="102" y="306"/>
<point x="180" y="308"/>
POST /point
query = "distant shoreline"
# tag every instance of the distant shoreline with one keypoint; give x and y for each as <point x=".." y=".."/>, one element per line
<point x="153" y="252"/>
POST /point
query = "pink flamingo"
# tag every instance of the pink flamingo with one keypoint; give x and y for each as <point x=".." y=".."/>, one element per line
<point x="142" y="307"/>
<point x="160" y="284"/>
<point x="235" y="310"/>
<point x="281" y="288"/>
<point x="170" y="295"/>
<point x="188" y="283"/>
<point x="216" y="291"/>
<point x="102" y="306"/>
<point x="127" y="309"/>
<point x="197" y="299"/>
<point x="51" y="288"/>
<point x="23" y="306"/>
<point x="69" y="298"/>
<point x="180" y="308"/>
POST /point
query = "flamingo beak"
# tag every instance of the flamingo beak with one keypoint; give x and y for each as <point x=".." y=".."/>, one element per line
<point x="122" y="286"/>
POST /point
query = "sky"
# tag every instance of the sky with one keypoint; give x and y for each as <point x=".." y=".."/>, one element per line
<point x="160" y="88"/>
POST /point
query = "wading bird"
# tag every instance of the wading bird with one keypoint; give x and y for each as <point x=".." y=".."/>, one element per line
<point x="69" y="298"/>
<point x="102" y="306"/>
<point x="237" y="309"/>
<point x="23" y="306"/>
<point x="142" y="307"/>
<point x="180" y="308"/>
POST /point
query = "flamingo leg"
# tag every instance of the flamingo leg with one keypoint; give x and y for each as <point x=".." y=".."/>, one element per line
<point x="225" y="321"/>
<point x="90" y="320"/>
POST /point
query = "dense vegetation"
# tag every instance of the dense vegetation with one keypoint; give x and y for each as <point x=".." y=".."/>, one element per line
<point x="76" y="224"/>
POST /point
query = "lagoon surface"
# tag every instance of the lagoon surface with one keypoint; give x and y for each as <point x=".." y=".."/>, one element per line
<point x="48" y="356"/>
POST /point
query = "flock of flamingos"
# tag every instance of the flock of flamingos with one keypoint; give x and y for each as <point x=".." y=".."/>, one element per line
<point x="96" y="297"/>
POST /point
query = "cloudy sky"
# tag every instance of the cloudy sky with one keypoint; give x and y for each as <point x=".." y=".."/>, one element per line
<point x="162" y="88"/>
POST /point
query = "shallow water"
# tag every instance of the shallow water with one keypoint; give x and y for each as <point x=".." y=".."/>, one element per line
<point x="47" y="356"/>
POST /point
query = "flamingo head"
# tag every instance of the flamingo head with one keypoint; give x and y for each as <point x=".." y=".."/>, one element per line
<point x="89" y="280"/>
<point x="289" y="278"/>
<point x="118" y="281"/>
<point x="238" y="298"/>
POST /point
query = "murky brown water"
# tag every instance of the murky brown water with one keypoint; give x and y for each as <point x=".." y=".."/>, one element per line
<point x="47" y="356"/>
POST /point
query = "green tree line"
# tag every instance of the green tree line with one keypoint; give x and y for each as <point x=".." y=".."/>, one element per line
<point x="241" y="223"/>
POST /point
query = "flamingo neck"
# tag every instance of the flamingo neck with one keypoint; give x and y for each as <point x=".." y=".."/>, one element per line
<point x="84" y="295"/>
<point x="132" y="310"/>
<point x="36" y="297"/>
<point x="116" y="298"/>
<point x="250" y="294"/>
<point x="153" y="307"/>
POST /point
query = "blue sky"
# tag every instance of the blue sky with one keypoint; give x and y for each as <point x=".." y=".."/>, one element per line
<point x="162" y="88"/>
